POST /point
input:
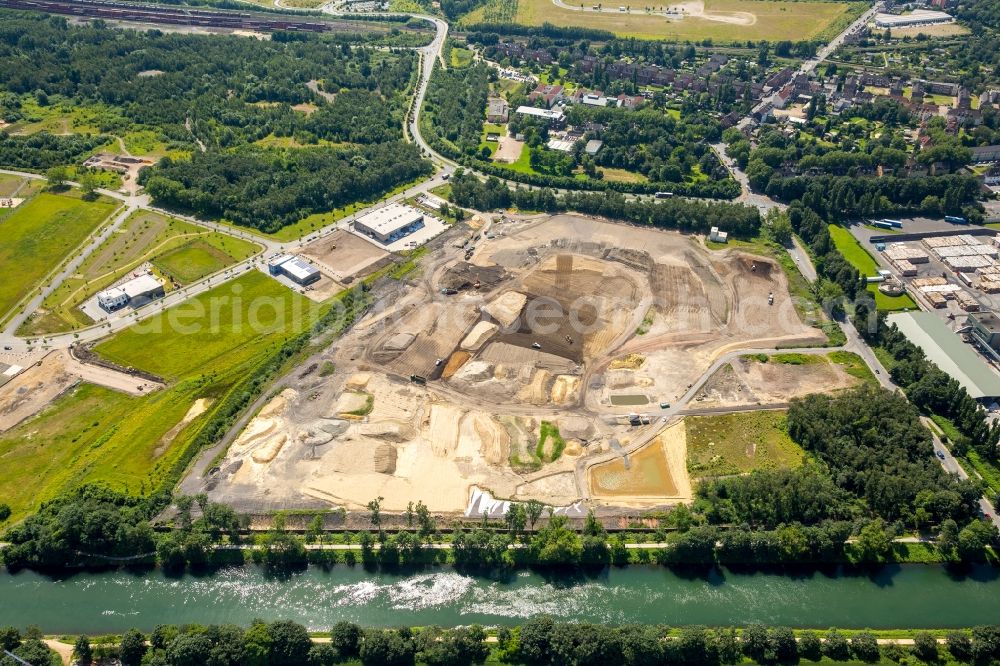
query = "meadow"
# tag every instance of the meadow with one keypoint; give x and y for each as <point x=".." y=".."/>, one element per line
<point x="740" y="443"/>
<point x="145" y="236"/>
<point x="231" y="323"/>
<point x="39" y="235"/>
<point x="858" y="257"/>
<point x="138" y="444"/>
<point x="774" y="19"/>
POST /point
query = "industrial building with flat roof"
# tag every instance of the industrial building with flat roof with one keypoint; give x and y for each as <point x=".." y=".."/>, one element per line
<point x="984" y="328"/>
<point x="390" y="223"/>
<point x="916" y="17"/>
<point x="295" y="268"/>
<point x="549" y="115"/>
<point x="945" y="349"/>
<point x="143" y="287"/>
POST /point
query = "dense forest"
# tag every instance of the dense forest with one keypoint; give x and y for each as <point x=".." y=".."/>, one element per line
<point x="227" y="90"/>
<point x="37" y="152"/>
<point x="268" y="189"/>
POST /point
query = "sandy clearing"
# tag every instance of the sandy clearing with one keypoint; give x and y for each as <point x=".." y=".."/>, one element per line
<point x="107" y="377"/>
<point x="32" y="390"/>
<point x="443" y="427"/>
<point x="196" y="410"/>
<point x="509" y="150"/>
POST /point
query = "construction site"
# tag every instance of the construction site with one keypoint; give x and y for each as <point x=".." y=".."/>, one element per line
<point x="520" y="365"/>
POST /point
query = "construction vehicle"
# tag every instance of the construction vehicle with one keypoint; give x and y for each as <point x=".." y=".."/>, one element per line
<point x="770" y="298"/>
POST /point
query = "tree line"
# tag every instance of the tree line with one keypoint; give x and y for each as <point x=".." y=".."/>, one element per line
<point x="927" y="386"/>
<point x="267" y="189"/>
<point x="538" y="641"/>
<point x="675" y="213"/>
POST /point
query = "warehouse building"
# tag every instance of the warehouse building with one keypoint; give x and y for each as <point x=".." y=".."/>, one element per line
<point x="984" y="328"/>
<point x="914" y="18"/>
<point x="294" y="268"/>
<point x="136" y="292"/>
<point x="945" y="349"/>
<point x="390" y="223"/>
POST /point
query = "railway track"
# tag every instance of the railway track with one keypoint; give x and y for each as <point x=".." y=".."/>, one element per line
<point x="123" y="11"/>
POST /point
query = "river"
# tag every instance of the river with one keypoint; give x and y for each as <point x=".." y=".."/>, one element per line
<point x="893" y="596"/>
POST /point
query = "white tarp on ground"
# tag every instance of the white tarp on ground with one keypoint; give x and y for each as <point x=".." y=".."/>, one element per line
<point x="482" y="502"/>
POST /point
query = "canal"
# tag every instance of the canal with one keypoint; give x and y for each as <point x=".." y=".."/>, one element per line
<point x="893" y="596"/>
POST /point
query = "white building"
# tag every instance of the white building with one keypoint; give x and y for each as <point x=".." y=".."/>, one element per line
<point x="915" y="18"/>
<point x="555" y="116"/>
<point x="295" y="268"/>
<point x="145" y="286"/>
<point x="717" y="236"/>
<point x="390" y="223"/>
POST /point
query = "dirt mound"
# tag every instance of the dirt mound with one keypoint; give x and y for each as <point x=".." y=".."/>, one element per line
<point x="506" y="308"/>
<point x="494" y="439"/>
<point x="564" y="389"/>
<point x="479" y="334"/>
<point x="464" y="275"/>
<point x="455" y="363"/>
<point x="350" y="403"/>
<point x="475" y="371"/>
<point x="628" y="362"/>
<point x="573" y="448"/>
<point x="537" y="392"/>
<point x="269" y="448"/>
<point x="384" y="459"/>
<point x="755" y="265"/>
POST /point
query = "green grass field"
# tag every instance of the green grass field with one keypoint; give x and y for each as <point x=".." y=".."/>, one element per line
<point x="92" y="434"/>
<point x="38" y="235"/>
<point x="853" y="365"/>
<point x="768" y="19"/>
<point x="739" y="443"/>
<point x="192" y="261"/>
<point x="145" y="236"/>
<point x="233" y="320"/>
<point x="858" y="257"/>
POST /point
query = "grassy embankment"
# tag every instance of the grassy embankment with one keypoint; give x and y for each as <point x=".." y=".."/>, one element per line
<point x="208" y="348"/>
<point x="859" y="257"/>
<point x="39" y="235"/>
<point x="178" y="250"/>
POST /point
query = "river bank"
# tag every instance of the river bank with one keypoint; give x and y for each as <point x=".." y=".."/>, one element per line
<point x="893" y="596"/>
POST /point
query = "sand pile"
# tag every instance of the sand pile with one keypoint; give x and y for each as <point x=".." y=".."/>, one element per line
<point x="475" y="371"/>
<point x="269" y="448"/>
<point x="454" y="364"/>
<point x="537" y="391"/>
<point x="576" y="427"/>
<point x="358" y="381"/>
<point x="399" y="342"/>
<point x="350" y="402"/>
<point x="479" y="334"/>
<point x="564" y="389"/>
<point x="264" y="436"/>
<point x="506" y="308"/>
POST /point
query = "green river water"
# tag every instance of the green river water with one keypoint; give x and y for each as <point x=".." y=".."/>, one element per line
<point x="895" y="596"/>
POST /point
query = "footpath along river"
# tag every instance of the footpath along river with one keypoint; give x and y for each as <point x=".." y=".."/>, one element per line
<point x="910" y="596"/>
